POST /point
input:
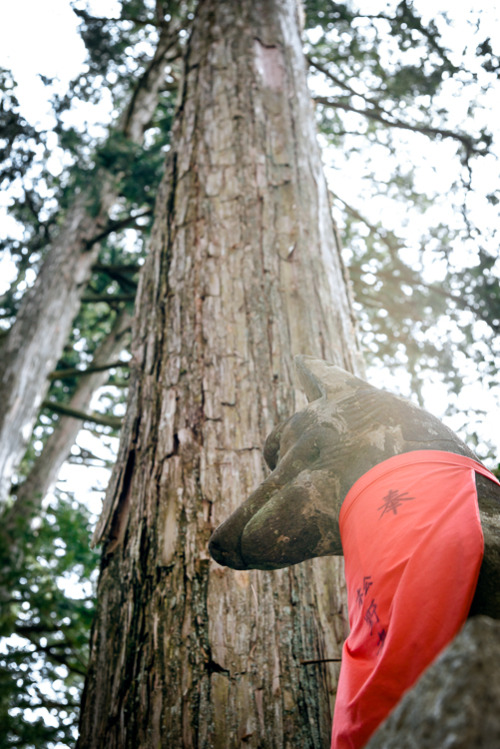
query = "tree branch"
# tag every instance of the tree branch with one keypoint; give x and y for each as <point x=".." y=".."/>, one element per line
<point x="48" y="650"/>
<point x="342" y="84"/>
<point x="108" y="298"/>
<point x="104" y="420"/>
<point x="54" y="704"/>
<point x="120" y="268"/>
<point x="64" y="374"/>
<point x="112" y="226"/>
<point x="25" y="630"/>
<point x="29" y="631"/>
<point x="138" y="114"/>
<point x="89" y="461"/>
<point x="125" y="281"/>
<point x="411" y="277"/>
<point x="380" y="115"/>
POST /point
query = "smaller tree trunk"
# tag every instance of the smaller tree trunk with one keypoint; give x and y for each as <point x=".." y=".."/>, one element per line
<point x="17" y="518"/>
<point x="47" y="466"/>
<point x="35" y="342"/>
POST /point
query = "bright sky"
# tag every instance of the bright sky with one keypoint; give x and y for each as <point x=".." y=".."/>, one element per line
<point x="39" y="37"/>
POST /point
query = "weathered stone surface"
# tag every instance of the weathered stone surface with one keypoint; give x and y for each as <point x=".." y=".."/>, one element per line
<point x="318" y="454"/>
<point x="456" y="703"/>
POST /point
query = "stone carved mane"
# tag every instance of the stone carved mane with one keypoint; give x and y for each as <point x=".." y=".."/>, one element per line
<point x="318" y="454"/>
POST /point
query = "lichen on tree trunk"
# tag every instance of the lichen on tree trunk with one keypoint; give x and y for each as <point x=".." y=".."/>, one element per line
<point x="243" y="273"/>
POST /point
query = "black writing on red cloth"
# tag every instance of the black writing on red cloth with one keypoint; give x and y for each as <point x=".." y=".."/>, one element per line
<point x="370" y="616"/>
<point x="382" y="634"/>
<point x="392" y="500"/>
<point x="362" y="591"/>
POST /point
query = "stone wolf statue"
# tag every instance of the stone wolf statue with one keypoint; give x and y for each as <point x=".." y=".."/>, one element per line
<point x="368" y="475"/>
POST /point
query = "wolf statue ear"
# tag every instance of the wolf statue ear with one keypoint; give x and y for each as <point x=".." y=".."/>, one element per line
<point x="319" y="379"/>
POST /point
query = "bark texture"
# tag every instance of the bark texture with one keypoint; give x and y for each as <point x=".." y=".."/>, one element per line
<point x="244" y="272"/>
<point x="36" y="340"/>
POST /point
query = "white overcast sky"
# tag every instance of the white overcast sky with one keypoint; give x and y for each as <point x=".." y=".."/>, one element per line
<point x="39" y="37"/>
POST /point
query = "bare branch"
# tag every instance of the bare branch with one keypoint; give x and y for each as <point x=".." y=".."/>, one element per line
<point x="380" y="115"/>
<point x="96" y="418"/>
<point x="64" y="374"/>
<point x="72" y="667"/>
<point x="120" y="277"/>
<point x="123" y="223"/>
<point x="342" y="84"/>
<point x="108" y="298"/>
<point x="54" y="704"/>
<point x="411" y="277"/>
<point x="123" y="268"/>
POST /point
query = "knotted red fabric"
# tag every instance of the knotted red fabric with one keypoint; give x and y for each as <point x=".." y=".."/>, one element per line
<point x="413" y="547"/>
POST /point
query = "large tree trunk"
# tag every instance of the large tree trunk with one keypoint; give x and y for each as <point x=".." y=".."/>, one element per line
<point x="37" y="338"/>
<point x="244" y="272"/>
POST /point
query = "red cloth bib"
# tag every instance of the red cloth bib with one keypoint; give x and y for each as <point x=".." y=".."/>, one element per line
<point x="413" y="547"/>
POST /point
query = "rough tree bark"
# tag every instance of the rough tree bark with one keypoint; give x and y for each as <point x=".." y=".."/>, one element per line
<point x="243" y="273"/>
<point x="36" y="340"/>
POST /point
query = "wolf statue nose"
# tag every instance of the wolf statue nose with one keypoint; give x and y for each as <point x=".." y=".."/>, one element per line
<point x="216" y="552"/>
<point x="223" y="548"/>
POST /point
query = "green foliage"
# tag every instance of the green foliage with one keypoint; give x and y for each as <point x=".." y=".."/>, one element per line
<point x="22" y="148"/>
<point x="362" y="44"/>
<point x="117" y="57"/>
<point x="46" y="613"/>
<point x="138" y="169"/>
<point x="105" y="40"/>
<point x="426" y="293"/>
<point x="19" y="139"/>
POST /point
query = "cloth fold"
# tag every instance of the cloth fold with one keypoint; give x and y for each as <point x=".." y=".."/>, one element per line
<point x="413" y="547"/>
